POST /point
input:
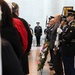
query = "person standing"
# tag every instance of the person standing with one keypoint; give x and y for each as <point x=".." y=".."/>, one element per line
<point x="57" y="63"/>
<point x="24" y="59"/>
<point x="15" y="13"/>
<point x="31" y="30"/>
<point x="8" y="31"/>
<point x="68" y="44"/>
<point x="38" y="33"/>
<point x="49" y="31"/>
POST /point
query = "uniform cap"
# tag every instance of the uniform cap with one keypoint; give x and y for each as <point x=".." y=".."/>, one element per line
<point x="73" y="13"/>
<point x="37" y="22"/>
<point x="70" y="13"/>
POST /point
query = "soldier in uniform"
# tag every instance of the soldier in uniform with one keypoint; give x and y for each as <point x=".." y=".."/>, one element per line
<point x="38" y="33"/>
<point x="68" y="44"/>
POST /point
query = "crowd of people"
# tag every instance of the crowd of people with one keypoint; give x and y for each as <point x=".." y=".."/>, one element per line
<point x="16" y="40"/>
<point x="60" y="32"/>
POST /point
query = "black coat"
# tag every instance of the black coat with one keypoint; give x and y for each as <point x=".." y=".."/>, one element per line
<point x="68" y="43"/>
<point x="10" y="62"/>
<point x="29" y="34"/>
<point x="24" y="59"/>
<point x="11" y="35"/>
<point x="28" y="31"/>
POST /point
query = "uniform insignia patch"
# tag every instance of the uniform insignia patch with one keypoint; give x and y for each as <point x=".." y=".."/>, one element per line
<point x="73" y="24"/>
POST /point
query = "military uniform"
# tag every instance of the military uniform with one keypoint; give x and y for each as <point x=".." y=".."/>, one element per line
<point x="38" y="33"/>
<point x="68" y="49"/>
<point x="69" y="40"/>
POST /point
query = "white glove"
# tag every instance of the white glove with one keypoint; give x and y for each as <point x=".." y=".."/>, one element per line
<point x="56" y="43"/>
<point x="59" y="30"/>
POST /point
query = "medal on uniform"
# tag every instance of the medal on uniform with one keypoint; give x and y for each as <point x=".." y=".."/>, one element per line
<point x="70" y="30"/>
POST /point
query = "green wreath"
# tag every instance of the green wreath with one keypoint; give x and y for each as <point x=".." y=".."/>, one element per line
<point x="42" y="59"/>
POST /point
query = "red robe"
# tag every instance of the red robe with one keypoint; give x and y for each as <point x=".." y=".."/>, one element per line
<point x="22" y="32"/>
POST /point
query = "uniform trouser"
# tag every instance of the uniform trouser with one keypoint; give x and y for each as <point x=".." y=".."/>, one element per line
<point x="51" y="55"/>
<point x="57" y="62"/>
<point x="38" y="40"/>
<point x="69" y="65"/>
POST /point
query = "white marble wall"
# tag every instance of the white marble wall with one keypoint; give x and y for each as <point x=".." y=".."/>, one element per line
<point x="38" y="10"/>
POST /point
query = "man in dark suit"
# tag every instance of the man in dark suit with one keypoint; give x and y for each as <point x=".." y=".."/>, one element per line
<point x="38" y="33"/>
<point x="56" y="56"/>
<point x="48" y="35"/>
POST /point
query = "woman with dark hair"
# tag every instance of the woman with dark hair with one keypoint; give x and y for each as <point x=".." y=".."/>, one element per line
<point x="8" y="58"/>
<point x="8" y="31"/>
<point x="23" y="37"/>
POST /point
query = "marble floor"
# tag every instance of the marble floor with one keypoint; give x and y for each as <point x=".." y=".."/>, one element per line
<point x="33" y="57"/>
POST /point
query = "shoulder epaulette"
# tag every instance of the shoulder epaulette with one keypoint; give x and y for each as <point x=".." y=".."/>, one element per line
<point x="73" y="24"/>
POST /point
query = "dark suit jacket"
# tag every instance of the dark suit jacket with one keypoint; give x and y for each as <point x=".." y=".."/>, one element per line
<point x="53" y="35"/>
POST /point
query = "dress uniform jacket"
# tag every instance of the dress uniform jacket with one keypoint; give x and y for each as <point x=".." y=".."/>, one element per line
<point x="68" y="43"/>
<point x="38" y="30"/>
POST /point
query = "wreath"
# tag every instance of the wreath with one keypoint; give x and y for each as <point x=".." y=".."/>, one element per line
<point x="43" y="55"/>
